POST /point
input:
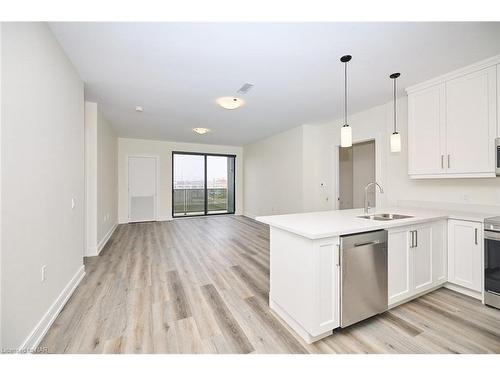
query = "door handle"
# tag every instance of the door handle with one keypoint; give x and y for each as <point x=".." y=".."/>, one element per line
<point x="449" y="161"/>
<point x="416" y="238"/>
<point x="412" y="239"/>
<point x="442" y="161"/>
<point x="475" y="236"/>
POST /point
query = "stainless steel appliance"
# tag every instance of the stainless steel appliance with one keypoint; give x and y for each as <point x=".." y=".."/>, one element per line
<point x="363" y="259"/>
<point x="497" y="156"/>
<point x="492" y="261"/>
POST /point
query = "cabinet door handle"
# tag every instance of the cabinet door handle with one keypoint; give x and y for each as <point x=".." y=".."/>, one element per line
<point x="475" y="236"/>
<point x="442" y="161"/>
<point x="412" y="239"/>
<point x="416" y="238"/>
<point x="448" y="161"/>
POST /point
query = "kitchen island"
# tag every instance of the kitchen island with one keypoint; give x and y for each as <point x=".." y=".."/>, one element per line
<point x="305" y="261"/>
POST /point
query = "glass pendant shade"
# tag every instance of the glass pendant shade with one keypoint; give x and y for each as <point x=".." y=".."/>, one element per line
<point x="345" y="136"/>
<point x="395" y="142"/>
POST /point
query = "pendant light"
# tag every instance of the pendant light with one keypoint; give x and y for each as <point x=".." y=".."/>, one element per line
<point x="345" y="130"/>
<point x="395" y="137"/>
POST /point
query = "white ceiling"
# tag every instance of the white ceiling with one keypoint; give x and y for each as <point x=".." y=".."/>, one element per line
<point x="177" y="70"/>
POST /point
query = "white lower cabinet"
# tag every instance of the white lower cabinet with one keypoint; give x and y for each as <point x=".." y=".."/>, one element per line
<point x="416" y="259"/>
<point x="465" y="250"/>
<point x="304" y="283"/>
<point x="422" y="258"/>
<point x="398" y="258"/>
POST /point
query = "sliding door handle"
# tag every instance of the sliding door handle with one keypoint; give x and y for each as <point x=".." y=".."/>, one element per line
<point x="448" y="161"/>
<point x="442" y="161"/>
<point x="411" y="239"/>
<point x="416" y="238"/>
<point x="475" y="236"/>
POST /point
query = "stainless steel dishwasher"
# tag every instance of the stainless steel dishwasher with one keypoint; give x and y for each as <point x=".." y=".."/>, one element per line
<point x="363" y="259"/>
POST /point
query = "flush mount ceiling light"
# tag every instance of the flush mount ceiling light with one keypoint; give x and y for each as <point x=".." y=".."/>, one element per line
<point x="395" y="137"/>
<point x="138" y="108"/>
<point x="345" y="130"/>
<point x="230" y="102"/>
<point x="201" y="130"/>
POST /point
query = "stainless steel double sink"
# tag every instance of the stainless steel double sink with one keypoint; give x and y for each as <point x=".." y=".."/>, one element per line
<point x="385" y="217"/>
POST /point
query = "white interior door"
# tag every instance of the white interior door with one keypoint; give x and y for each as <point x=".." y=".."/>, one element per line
<point x="142" y="188"/>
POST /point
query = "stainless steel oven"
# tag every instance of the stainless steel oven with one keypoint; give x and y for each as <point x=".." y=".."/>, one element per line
<point x="492" y="262"/>
<point x="497" y="156"/>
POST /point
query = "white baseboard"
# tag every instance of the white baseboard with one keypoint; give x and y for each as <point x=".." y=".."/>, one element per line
<point x="249" y="215"/>
<point x="293" y="326"/>
<point x="106" y="238"/>
<point x="36" y="336"/>
<point x="93" y="251"/>
<point x="462" y="290"/>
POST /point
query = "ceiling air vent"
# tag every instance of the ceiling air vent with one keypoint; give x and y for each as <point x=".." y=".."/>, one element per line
<point x="245" y="88"/>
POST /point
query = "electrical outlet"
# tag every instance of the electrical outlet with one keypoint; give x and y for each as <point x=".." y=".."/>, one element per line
<point x="44" y="273"/>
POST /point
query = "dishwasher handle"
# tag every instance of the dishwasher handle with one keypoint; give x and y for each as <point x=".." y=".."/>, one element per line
<point x="366" y="243"/>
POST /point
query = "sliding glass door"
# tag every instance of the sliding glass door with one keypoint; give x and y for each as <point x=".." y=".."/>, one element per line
<point x="202" y="184"/>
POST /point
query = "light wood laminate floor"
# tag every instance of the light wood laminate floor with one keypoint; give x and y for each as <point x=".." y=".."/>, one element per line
<point x="200" y="285"/>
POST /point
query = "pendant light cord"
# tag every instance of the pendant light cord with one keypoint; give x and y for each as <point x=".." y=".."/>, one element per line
<point x="395" y="105"/>
<point x="345" y="93"/>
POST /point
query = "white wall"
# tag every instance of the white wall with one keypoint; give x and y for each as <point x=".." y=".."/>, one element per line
<point x="162" y="149"/>
<point x="90" y="178"/>
<point x="42" y="169"/>
<point x="363" y="155"/>
<point x="317" y="174"/>
<point x="101" y="178"/>
<point x="345" y="178"/>
<point x="297" y="170"/>
<point x="1" y="335"/>
<point x="273" y="174"/>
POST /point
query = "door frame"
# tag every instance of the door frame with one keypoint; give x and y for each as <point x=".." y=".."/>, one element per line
<point x="378" y="169"/>
<point x="204" y="154"/>
<point x="157" y="173"/>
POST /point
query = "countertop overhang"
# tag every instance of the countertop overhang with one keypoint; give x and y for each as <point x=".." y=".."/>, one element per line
<point x="324" y="224"/>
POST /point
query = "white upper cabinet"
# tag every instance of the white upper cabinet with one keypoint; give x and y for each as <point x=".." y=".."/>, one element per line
<point x="452" y="126"/>
<point x="471" y="122"/>
<point x="426" y="131"/>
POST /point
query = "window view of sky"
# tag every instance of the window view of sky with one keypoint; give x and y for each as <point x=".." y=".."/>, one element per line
<point x="189" y="171"/>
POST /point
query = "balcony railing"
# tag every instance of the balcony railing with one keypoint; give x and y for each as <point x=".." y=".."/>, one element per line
<point x="192" y="201"/>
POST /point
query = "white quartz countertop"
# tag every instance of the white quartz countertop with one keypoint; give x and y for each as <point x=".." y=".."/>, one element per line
<point x="323" y="224"/>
